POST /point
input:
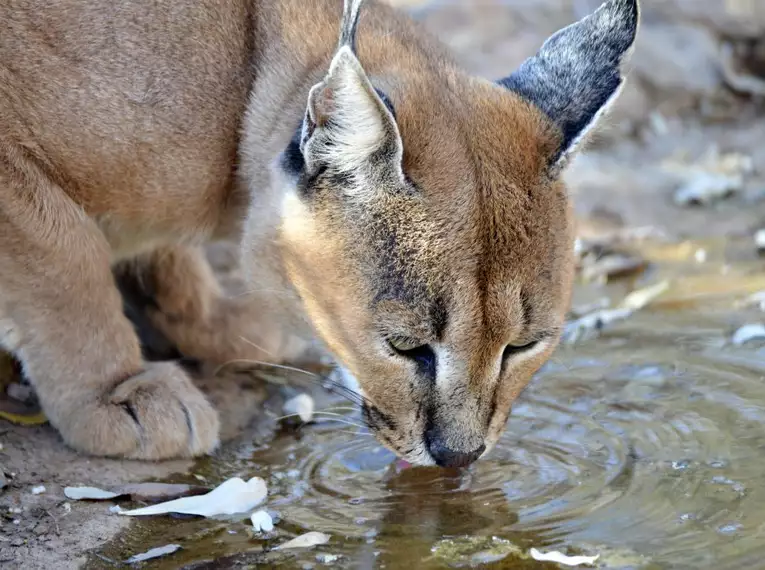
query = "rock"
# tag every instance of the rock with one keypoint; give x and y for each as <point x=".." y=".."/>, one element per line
<point x="21" y="392"/>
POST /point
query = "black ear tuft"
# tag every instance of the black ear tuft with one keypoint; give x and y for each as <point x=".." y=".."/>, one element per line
<point x="351" y="12"/>
<point x="578" y="71"/>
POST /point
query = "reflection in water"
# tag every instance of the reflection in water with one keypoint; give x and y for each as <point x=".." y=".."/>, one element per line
<point x="646" y="446"/>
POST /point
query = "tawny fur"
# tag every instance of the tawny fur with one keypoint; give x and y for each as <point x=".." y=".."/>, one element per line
<point x="136" y="132"/>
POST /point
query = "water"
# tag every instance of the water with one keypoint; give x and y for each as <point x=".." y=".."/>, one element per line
<point x="645" y="445"/>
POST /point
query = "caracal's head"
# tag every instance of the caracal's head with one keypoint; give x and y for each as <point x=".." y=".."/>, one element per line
<point x="428" y="233"/>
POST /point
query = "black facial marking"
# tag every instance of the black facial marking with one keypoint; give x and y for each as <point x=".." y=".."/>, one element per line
<point x="374" y="417"/>
<point x="292" y="158"/>
<point x="492" y="405"/>
<point x="528" y="309"/>
<point x="425" y="359"/>
<point x="391" y="274"/>
<point x="438" y="317"/>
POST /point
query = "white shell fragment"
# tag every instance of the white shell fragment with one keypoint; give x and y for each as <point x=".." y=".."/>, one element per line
<point x="306" y="540"/>
<point x="561" y="558"/>
<point x="231" y="497"/>
<point x="39" y="490"/>
<point x="747" y="333"/>
<point x="301" y="405"/>
<point x="94" y="493"/>
<point x="262" y="522"/>
<point x="154" y="553"/>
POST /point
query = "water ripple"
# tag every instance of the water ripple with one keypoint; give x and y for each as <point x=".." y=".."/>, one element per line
<point x="632" y="455"/>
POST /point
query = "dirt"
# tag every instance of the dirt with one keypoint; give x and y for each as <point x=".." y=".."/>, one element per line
<point x="677" y="106"/>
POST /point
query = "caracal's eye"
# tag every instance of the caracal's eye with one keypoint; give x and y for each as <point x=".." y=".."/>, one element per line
<point x="403" y="344"/>
<point x="417" y="352"/>
<point x="511" y="350"/>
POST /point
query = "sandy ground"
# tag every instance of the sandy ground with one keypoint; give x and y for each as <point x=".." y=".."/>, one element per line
<point x="675" y="107"/>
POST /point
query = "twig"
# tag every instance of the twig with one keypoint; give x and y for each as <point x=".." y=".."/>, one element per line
<point x="55" y="522"/>
<point x="742" y="82"/>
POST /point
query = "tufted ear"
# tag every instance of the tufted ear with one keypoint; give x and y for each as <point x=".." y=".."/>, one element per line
<point x="348" y="128"/>
<point x="578" y="72"/>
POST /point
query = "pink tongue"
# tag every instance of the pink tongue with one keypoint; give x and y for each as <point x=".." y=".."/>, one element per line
<point x="401" y="464"/>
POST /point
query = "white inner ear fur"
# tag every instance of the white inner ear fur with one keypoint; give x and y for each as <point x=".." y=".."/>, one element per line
<point x="582" y="138"/>
<point x="350" y="122"/>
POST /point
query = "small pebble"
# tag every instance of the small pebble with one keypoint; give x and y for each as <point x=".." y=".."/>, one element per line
<point x="262" y="522"/>
<point x="748" y="332"/>
<point x="759" y="240"/>
<point x="730" y="528"/>
<point x="39" y="490"/>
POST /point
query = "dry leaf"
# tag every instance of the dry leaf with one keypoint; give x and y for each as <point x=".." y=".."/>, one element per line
<point x="150" y="492"/>
<point x="91" y="493"/>
<point x="585" y="326"/>
<point x="642" y="297"/>
<point x="306" y="540"/>
<point x="561" y="558"/>
<point x="231" y="497"/>
<point x="137" y="491"/>
<point x="21" y="414"/>
<point x="612" y="265"/>
<point x="713" y="177"/>
<point x="154" y="553"/>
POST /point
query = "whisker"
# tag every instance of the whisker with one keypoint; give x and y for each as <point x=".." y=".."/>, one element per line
<point x="330" y="417"/>
<point x="339" y="409"/>
<point x="350" y="394"/>
<point x="253" y="291"/>
<point x="315" y="413"/>
<point x="262" y="363"/>
<point x="248" y="341"/>
<point x="345" y="422"/>
<point x="323" y="381"/>
<point x="350" y="431"/>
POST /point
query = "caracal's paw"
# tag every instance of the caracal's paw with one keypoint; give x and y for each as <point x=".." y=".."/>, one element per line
<point x="158" y="414"/>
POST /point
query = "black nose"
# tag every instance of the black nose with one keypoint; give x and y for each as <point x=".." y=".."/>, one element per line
<point x="445" y="457"/>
